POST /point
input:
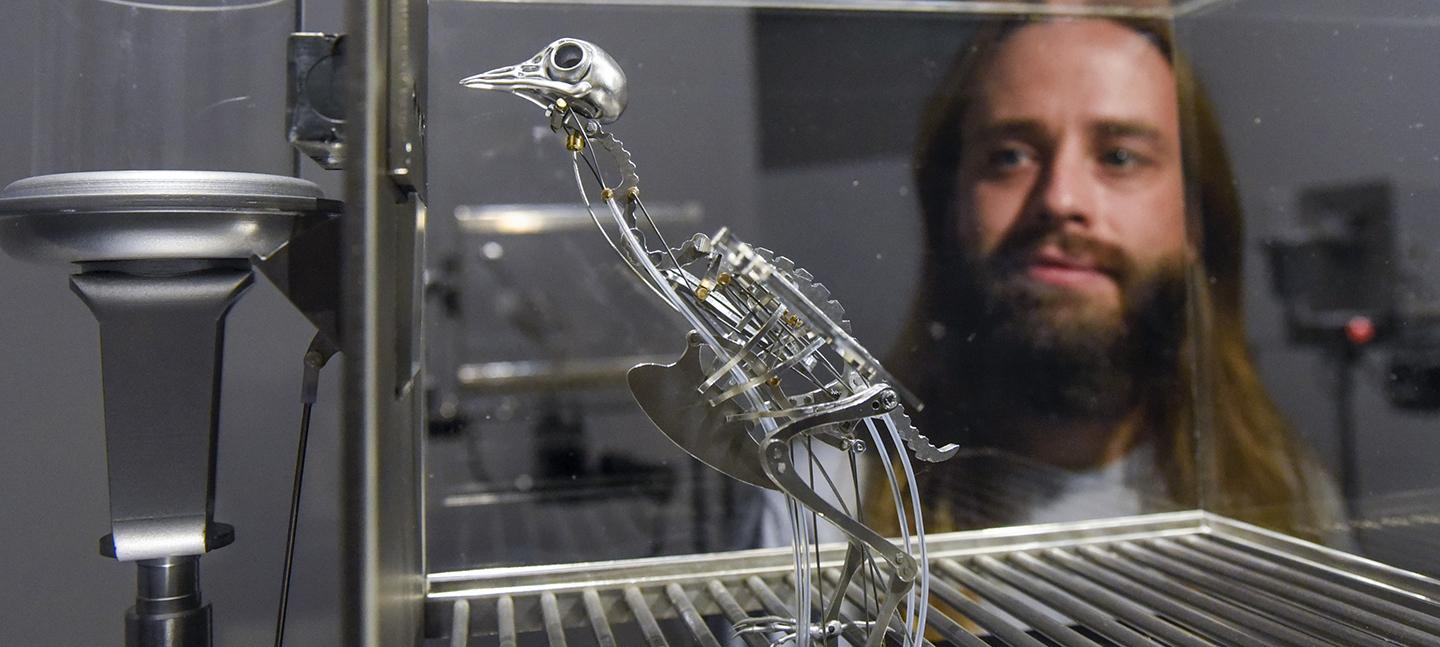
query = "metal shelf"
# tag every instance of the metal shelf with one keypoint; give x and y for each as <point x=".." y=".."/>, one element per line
<point x="1187" y="578"/>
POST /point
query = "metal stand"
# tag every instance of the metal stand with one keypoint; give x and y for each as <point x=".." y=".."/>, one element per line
<point x="168" y="611"/>
<point x="162" y="332"/>
<point x="163" y="256"/>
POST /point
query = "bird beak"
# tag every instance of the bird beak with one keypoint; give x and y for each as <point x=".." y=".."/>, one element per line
<point x="509" y="77"/>
<point x="527" y="81"/>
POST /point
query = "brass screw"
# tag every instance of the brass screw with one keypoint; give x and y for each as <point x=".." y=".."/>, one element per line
<point x="702" y="292"/>
<point x="574" y="142"/>
<point x="607" y="193"/>
<point x="634" y="193"/>
<point x="774" y="380"/>
<point x="562" y="105"/>
<point x="724" y="278"/>
<point x="791" y="319"/>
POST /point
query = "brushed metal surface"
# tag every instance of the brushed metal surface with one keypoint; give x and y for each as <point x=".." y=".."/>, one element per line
<point x="133" y="215"/>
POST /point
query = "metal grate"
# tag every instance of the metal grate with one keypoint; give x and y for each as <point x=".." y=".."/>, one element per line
<point x="1172" y="579"/>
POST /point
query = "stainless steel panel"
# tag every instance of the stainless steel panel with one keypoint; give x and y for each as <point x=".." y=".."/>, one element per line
<point x="382" y="490"/>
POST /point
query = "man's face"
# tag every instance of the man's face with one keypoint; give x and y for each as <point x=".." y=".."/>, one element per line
<point x="1070" y="193"/>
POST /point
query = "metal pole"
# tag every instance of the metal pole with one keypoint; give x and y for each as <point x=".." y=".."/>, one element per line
<point x="168" y="611"/>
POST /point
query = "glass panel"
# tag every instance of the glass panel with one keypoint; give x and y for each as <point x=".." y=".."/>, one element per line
<point x="798" y="131"/>
<point x="1328" y="110"/>
<point x="168" y="84"/>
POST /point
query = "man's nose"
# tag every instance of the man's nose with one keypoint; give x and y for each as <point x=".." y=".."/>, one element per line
<point x="1068" y="191"/>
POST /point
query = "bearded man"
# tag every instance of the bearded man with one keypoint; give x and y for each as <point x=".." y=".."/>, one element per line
<point x="1080" y="305"/>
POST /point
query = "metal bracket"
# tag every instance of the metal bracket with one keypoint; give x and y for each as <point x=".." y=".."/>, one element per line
<point x="162" y="332"/>
<point x="315" y="98"/>
<point x="407" y="61"/>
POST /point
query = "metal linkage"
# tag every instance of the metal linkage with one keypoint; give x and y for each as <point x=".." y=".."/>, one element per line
<point x="1184" y="579"/>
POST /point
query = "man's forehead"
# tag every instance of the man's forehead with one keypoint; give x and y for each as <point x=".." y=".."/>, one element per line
<point x="1092" y="71"/>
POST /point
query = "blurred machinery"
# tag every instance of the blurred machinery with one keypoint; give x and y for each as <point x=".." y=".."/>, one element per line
<point x="1347" y="292"/>
<point x="1345" y="287"/>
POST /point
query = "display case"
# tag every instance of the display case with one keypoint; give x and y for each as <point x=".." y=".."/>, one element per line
<point x="1163" y="271"/>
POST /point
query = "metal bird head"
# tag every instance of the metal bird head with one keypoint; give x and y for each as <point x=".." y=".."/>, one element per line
<point x="571" y="69"/>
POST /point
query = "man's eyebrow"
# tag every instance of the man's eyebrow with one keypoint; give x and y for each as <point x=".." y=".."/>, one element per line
<point x="1124" y="128"/>
<point x="1021" y="128"/>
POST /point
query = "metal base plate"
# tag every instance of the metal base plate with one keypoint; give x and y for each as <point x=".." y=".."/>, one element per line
<point x="142" y="215"/>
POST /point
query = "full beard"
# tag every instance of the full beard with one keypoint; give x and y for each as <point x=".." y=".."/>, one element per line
<point x="1024" y="350"/>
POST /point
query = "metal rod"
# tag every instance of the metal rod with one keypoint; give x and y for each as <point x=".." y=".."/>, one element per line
<point x="987" y="620"/>
<point x="772" y="603"/>
<point x="1233" y="590"/>
<point x="851" y="633"/>
<point x="855" y="594"/>
<point x="648" y="626"/>
<point x="460" y="623"/>
<point x="1310" y="583"/>
<point x="951" y="630"/>
<point x="1314" y="599"/>
<point x="1078" y="610"/>
<point x="1026" y="613"/>
<point x="1188" y="594"/>
<point x="505" y="619"/>
<point x="692" y="618"/>
<point x="1104" y="599"/>
<point x="550" y="611"/>
<point x="1177" y="612"/>
<point x="603" y="636"/>
<point x="733" y="611"/>
<point x="294" y="522"/>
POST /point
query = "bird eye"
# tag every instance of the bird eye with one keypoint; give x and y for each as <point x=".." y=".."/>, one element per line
<point x="568" y="56"/>
<point x="568" y="62"/>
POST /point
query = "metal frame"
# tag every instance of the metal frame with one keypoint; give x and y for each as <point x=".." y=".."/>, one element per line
<point x="1190" y="578"/>
<point x="382" y="477"/>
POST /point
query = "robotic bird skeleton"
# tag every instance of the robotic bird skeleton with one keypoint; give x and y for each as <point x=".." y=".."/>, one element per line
<point x="760" y="326"/>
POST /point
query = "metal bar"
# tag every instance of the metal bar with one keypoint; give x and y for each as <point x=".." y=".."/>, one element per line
<point x="1187" y="594"/>
<point x="460" y="624"/>
<point x="1307" y="582"/>
<point x="992" y="623"/>
<point x="1177" y="612"/>
<point x="732" y="610"/>
<point x="1269" y="542"/>
<point x="1104" y="599"/>
<point x="976" y="7"/>
<point x="505" y="620"/>
<point x="382" y="480"/>
<point x="855" y="593"/>
<point x="692" y="618"/>
<point x="550" y="611"/>
<point x="573" y="578"/>
<point x="1071" y="606"/>
<point x="855" y="635"/>
<point x="644" y="617"/>
<point x="526" y="376"/>
<point x="603" y="636"/>
<point x="951" y="630"/>
<point x="1022" y="611"/>
<point x="772" y="603"/>
<point x="1250" y="598"/>
<point x="1314" y="599"/>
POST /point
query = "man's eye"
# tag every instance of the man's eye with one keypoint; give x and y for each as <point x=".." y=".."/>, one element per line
<point x="1007" y="157"/>
<point x="1121" y="158"/>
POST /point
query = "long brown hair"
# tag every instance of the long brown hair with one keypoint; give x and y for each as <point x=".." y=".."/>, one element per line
<point x="1217" y="439"/>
